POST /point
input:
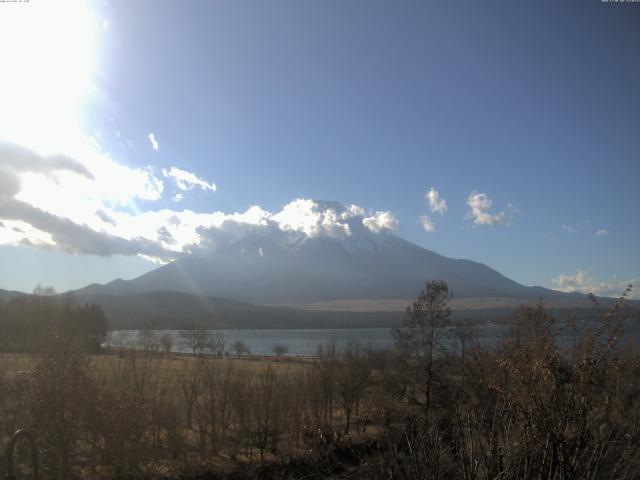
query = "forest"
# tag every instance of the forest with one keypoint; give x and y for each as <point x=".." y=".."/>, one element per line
<point x="28" y="322"/>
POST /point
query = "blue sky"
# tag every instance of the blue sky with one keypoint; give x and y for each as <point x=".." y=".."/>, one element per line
<point x="533" y="104"/>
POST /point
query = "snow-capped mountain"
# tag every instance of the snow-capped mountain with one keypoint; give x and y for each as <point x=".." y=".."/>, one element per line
<point x="337" y="253"/>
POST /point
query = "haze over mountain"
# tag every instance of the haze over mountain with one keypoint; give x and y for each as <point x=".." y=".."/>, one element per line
<point x="338" y="254"/>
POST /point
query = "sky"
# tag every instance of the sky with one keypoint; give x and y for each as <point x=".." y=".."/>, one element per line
<point x="503" y="132"/>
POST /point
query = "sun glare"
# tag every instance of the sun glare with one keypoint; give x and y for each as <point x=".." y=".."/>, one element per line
<point x="48" y="52"/>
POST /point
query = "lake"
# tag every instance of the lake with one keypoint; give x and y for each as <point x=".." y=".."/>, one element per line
<point x="303" y="342"/>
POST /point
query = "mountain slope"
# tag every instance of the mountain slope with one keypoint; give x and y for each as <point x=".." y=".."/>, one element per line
<point x="272" y="266"/>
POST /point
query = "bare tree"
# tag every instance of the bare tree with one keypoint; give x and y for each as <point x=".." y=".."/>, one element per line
<point x="240" y="348"/>
<point x="190" y="381"/>
<point x="217" y="344"/>
<point x="352" y="378"/>
<point x="167" y="343"/>
<point x="44" y="291"/>
<point x="194" y="338"/>
<point x="279" y="350"/>
<point x="421" y="332"/>
<point x="148" y="339"/>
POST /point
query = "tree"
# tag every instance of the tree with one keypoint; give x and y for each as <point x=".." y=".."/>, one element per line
<point x="279" y="350"/>
<point x="240" y="348"/>
<point x="352" y="377"/>
<point x="44" y="291"/>
<point x="148" y="339"/>
<point x="217" y="344"/>
<point x="166" y="341"/>
<point x="194" y="338"/>
<point x="420" y="334"/>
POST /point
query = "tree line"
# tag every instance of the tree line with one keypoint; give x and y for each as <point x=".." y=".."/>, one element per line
<point x="28" y="322"/>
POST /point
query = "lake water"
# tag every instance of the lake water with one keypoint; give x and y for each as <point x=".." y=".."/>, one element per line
<point x="305" y="342"/>
<point x="302" y="342"/>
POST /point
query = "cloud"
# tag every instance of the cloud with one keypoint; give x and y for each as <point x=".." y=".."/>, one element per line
<point x="313" y="218"/>
<point x="15" y="160"/>
<point x="380" y="221"/>
<point x="480" y="205"/>
<point x="177" y="197"/>
<point x="187" y="180"/>
<point x="153" y="142"/>
<point x="102" y="215"/>
<point x="569" y="228"/>
<point x="583" y="282"/>
<point x="90" y="207"/>
<point x="436" y="204"/>
<point x="427" y="224"/>
<point x="66" y="203"/>
<point x="74" y="238"/>
<point x="603" y="232"/>
<point x="73" y="187"/>
<point x="16" y="232"/>
<point x="166" y="234"/>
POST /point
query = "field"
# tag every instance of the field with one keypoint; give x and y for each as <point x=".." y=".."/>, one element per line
<point x="137" y="412"/>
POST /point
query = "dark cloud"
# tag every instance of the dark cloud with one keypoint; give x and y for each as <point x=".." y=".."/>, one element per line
<point x="102" y="215"/>
<point x="67" y="235"/>
<point x="230" y="231"/>
<point x="165" y="236"/>
<point x="15" y="159"/>
<point x="80" y="239"/>
<point x="20" y="159"/>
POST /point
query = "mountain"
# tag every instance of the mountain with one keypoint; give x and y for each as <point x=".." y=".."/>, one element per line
<point x="273" y="265"/>
<point x="6" y="295"/>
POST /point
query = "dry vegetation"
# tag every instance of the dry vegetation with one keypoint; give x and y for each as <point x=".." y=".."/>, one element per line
<point x="526" y="408"/>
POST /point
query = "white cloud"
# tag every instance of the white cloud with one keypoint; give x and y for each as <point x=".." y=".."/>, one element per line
<point x="436" y="204"/>
<point x="187" y="180"/>
<point x="90" y="207"/>
<point x="427" y="224"/>
<point x="380" y="221"/>
<point x="583" y="282"/>
<point x="14" y="232"/>
<point x="603" y="232"/>
<point x="480" y="205"/>
<point x="76" y="238"/>
<point x="569" y="228"/>
<point x="177" y="197"/>
<point x="353" y="211"/>
<point x="307" y="216"/>
<point x="153" y="142"/>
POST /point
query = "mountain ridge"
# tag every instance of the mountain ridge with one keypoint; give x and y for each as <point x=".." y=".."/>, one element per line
<point x="276" y="267"/>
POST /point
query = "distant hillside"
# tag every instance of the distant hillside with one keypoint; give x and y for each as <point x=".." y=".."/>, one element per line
<point x="9" y="294"/>
<point x="468" y="303"/>
<point x="174" y="310"/>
